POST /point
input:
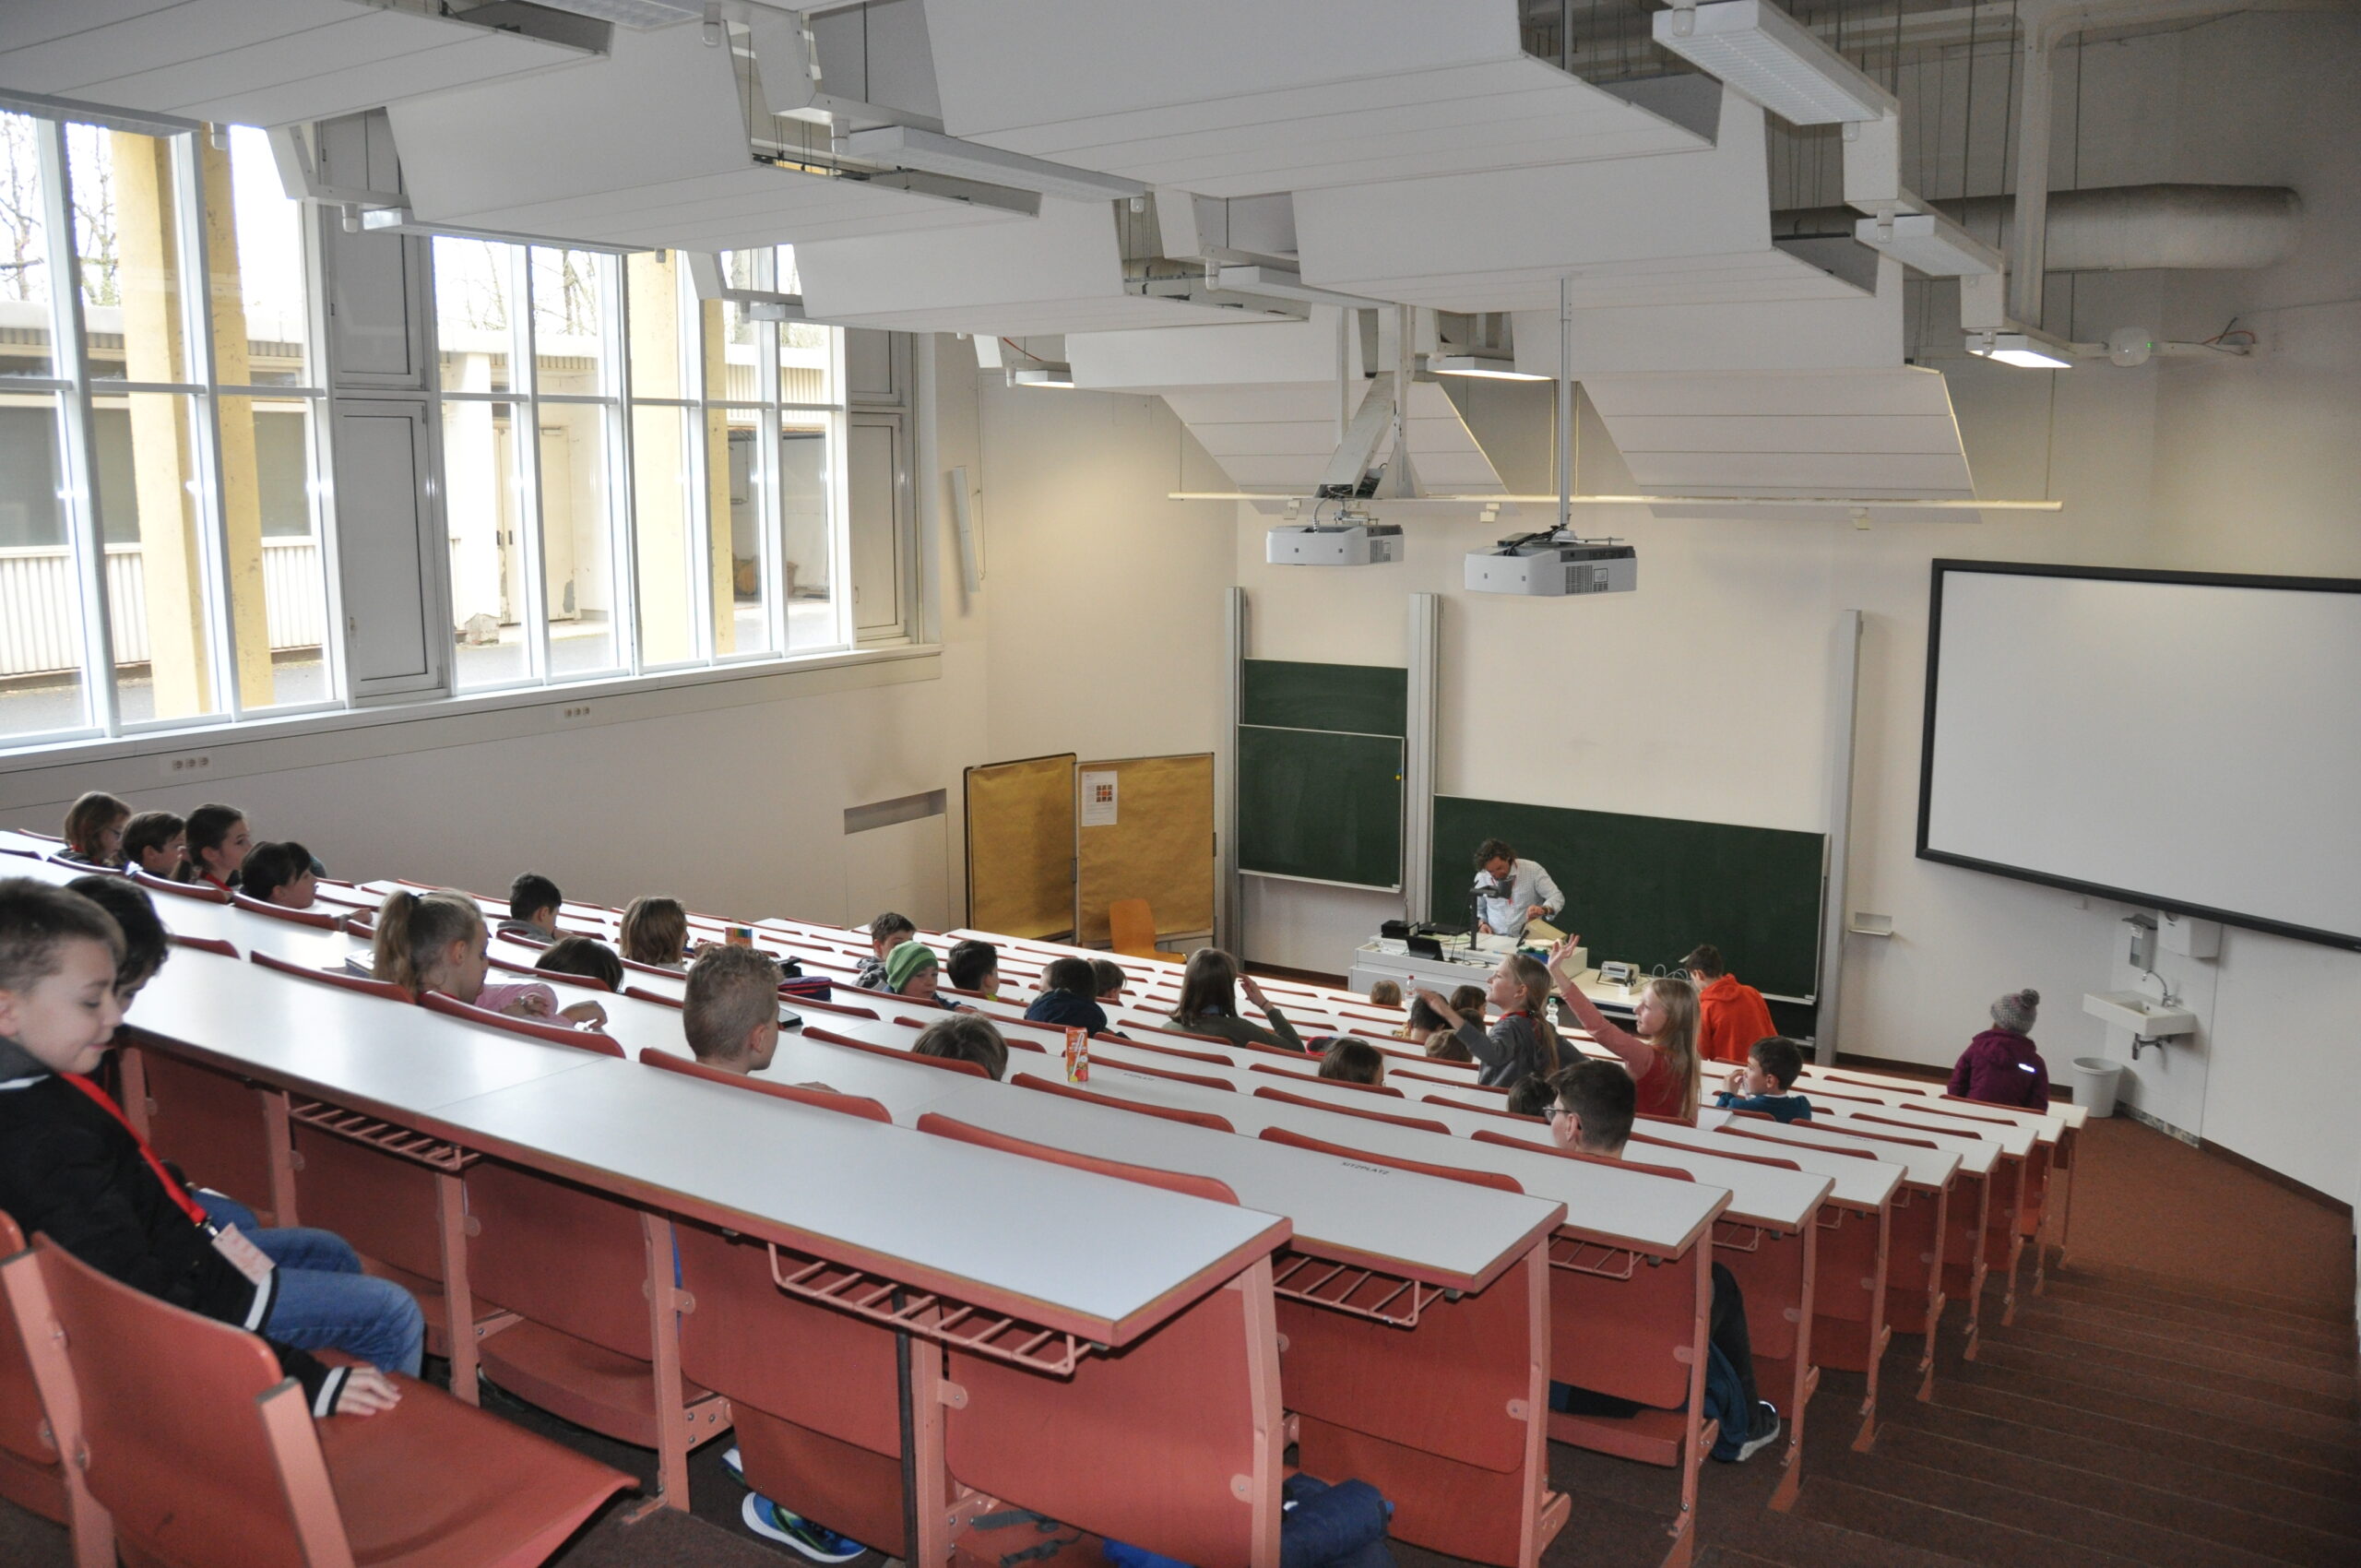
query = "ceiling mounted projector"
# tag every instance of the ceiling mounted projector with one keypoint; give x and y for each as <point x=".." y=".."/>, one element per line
<point x="1554" y="565"/>
<point x="1351" y="540"/>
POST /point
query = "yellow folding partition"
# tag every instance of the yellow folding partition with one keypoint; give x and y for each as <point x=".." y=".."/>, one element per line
<point x="1021" y="847"/>
<point x="1160" y="846"/>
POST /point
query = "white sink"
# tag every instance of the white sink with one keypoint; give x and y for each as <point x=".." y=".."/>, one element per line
<point x="2142" y="1014"/>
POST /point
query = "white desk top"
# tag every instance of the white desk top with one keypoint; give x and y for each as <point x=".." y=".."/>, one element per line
<point x="2012" y="1139"/>
<point x="1646" y="1212"/>
<point x="1977" y="1155"/>
<point x="1920" y="1167"/>
<point x="1866" y="1184"/>
<point x="1845" y="1079"/>
<point x="1088" y="1247"/>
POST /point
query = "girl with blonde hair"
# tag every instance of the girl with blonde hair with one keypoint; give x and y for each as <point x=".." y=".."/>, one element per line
<point x="437" y="942"/>
<point x="1661" y="1055"/>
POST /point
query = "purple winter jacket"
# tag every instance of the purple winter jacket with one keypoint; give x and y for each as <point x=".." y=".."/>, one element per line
<point x="2002" y="1068"/>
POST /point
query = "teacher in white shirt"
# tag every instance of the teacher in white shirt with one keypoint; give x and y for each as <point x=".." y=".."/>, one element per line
<point x="1510" y="892"/>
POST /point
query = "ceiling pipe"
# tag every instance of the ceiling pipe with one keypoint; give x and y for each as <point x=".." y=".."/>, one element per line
<point x="2121" y="229"/>
<point x="2046" y="24"/>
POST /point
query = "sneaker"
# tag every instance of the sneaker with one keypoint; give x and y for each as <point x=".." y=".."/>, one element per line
<point x="1766" y="1432"/>
<point x="734" y="1465"/>
<point x="771" y="1522"/>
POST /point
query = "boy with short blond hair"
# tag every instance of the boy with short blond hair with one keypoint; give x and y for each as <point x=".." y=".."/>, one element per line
<point x="730" y="1011"/>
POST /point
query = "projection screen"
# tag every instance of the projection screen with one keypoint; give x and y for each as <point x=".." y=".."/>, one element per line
<point x="2182" y="741"/>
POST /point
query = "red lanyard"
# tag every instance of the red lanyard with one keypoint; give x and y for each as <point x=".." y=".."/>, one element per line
<point x="105" y="1103"/>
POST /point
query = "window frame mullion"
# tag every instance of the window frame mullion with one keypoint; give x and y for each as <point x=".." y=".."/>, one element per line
<point x="210" y="485"/>
<point x="79" y="460"/>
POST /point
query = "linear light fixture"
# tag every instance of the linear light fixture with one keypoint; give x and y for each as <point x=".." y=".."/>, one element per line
<point x="1488" y="366"/>
<point x="1056" y="375"/>
<point x="1929" y="242"/>
<point x="911" y="147"/>
<point x="2030" y="351"/>
<point x="1762" y="54"/>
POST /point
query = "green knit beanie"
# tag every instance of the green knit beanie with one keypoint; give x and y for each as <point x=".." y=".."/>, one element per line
<point x="905" y="961"/>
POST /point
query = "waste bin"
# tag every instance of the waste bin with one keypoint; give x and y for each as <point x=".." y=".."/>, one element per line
<point x="2095" y="1079"/>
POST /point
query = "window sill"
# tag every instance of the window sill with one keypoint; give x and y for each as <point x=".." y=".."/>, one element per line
<point x="38" y="773"/>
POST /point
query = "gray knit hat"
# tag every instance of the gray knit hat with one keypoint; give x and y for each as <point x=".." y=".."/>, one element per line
<point x="2015" y="1011"/>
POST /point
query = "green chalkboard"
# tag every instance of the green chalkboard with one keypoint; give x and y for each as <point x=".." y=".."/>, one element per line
<point x="1320" y="805"/>
<point x="1356" y="699"/>
<point x="1649" y="888"/>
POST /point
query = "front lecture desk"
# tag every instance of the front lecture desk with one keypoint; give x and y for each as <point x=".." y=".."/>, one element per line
<point x="1387" y="957"/>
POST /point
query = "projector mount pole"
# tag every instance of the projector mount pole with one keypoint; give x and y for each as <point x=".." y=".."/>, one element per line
<point x="1566" y="406"/>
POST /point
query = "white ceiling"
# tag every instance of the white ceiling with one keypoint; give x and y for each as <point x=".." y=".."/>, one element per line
<point x="1240" y="97"/>
<point x="252" y="62"/>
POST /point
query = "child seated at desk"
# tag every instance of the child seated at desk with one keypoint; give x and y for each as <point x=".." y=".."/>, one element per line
<point x="94" y="826"/>
<point x="157" y="843"/>
<point x="655" y="930"/>
<point x="886" y="932"/>
<point x="586" y="957"/>
<point x="2002" y="1065"/>
<point x="71" y="1165"/>
<point x="1533" y="1097"/>
<point x="1661" y="1055"/>
<point x="218" y="842"/>
<point x="1209" y="988"/>
<point x="1107" y="980"/>
<point x="1386" y="993"/>
<point x="968" y="1038"/>
<point x="1593" y="1115"/>
<point x="1068" y="998"/>
<point x="280" y="873"/>
<point x="437" y="942"/>
<point x="913" y="971"/>
<point x="1522" y="1042"/>
<point x="533" y="902"/>
<point x="974" y="966"/>
<point x="1772" y="1067"/>
<point x="730" y="1010"/>
<point x="1350" y="1061"/>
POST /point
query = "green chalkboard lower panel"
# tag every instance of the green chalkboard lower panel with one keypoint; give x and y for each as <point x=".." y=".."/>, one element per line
<point x="1649" y="888"/>
<point x="1320" y="805"/>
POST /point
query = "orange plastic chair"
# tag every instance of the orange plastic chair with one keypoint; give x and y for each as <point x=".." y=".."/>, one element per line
<point x="200" y="1453"/>
<point x="1131" y="927"/>
<point x="29" y="1474"/>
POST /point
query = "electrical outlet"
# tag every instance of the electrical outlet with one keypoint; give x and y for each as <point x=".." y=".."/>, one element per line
<point x="574" y="713"/>
<point x="188" y="765"/>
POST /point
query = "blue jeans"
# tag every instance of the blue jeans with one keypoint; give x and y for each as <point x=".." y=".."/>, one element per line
<point x="325" y="1301"/>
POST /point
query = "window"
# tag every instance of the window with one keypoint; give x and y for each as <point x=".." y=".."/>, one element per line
<point x="160" y="551"/>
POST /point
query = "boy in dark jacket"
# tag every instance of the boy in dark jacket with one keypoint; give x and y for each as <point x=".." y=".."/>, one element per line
<point x="2002" y="1065"/>
<point x="72" y="1168"/>
<point x="1068" y="997"/>
<point x="1773" y="1066"/>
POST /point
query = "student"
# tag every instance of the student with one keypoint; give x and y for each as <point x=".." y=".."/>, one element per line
<point x="1386" y="993"/>
<point x="1108" y="979"/>
<point x="533" y="901"/>
<point x="2002" y="1065"/>
<point x="1662" y="1056"/>
<point x="1593" y="1115"/>
<point x="1350" y="1061"/>
<point x="280" y="873"/>
<point x="1467" y="1001"/>
<point x="218" y="842"/>
<point x="1765" y="1082"/>
<point x="655" y="930"/>
<point x="974" y="966"/>
<point x="1522" y="1041"/>
<point x="913" y="972"/>
<point x="583" y="955"/>
<point x="1067" y="998"/>
<point x="1421" y="1023"/>
<point x="1730" y="1015"/>
<point x="157" y="843"/>
<point x="970" y="1038"/>
<point x="71" y="1166"/>
<point x="730" y="1013"/>
<point x="1209" y="988"/>
<point x="437" y="942"/>
<point x="886" y="932"/>
<point x="146" y="944"/>
<point x="94" y="826"/>
<point x="1533" y="1097"/>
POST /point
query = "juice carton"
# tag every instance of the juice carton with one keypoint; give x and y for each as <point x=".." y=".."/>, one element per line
<point x="1077" y="1056"/>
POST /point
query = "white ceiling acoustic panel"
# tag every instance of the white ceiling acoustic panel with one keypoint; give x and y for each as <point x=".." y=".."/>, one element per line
<point x="1685" y="228"/>
<point x="260" y="62"/>
<point x="1233" y="98"/>
<point x="1280" y="438"/>
<point x="555" y="155"/>
<point x="1885" y="433"/>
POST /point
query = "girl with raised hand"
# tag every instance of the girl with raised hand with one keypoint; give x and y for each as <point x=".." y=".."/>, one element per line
<point x="1661" y="1055"/>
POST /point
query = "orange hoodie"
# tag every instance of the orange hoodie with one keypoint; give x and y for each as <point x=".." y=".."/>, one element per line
<point x="1730" y="1018"/>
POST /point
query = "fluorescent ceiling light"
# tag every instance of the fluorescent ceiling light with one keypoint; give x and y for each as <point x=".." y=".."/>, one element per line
<point x="2031" y="351"/>
<point x="1043" y="376"/>
<point x="1761" y="53"/>
<point x="1479" y="364"/>
<point x="1929" y="242"/>
<point x="911" y="147"/>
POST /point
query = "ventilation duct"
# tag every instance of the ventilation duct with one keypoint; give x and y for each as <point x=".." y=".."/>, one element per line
<point x="2126" y="229"/>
